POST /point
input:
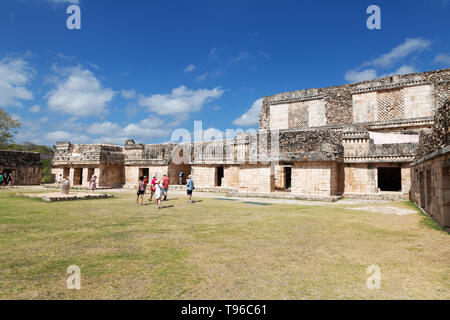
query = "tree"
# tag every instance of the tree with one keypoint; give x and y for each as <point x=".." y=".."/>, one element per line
<point x="8" y="127"/>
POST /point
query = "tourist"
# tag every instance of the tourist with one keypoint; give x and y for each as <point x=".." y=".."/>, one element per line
<point x="5" y="176"/>
<point x="180" y="177"/>
<point x="190" y="188"/>
<point x="145" y="182"/>
<point x="165" y="186"/>
<point x="158" y="193"/>
<point x="10" y="180"/>
<point x="152" y="188"/>
<point x="1" y="180"/>
<point x="6" y="179"/>
<point x="140" y="191"/>
<point x="59" y="181"/>
<point x="93" y="183"/>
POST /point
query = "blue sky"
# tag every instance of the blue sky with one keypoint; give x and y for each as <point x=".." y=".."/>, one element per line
<point x="140" y="69"/>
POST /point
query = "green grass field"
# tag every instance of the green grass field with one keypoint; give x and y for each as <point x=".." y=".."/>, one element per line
<point x="215" y="249"/>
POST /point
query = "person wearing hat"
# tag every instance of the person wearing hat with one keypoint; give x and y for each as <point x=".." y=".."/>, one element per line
<point x="190" y="188"/>
<point x="93" y="183"/>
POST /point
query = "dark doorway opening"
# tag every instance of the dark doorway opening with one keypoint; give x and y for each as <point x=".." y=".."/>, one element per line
<point x="144" y="172"/>
<point x="288" y="177"/>
<point x="66" y="173"/>
<point x="78" y="176"/>
<point x="390" y="179"/>
<point x="220" y="175"/>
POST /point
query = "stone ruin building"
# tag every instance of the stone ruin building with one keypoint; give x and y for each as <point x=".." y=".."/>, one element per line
<point x="353" y="140"/>
<point x="430" y="173"/>
<point x="25" y="167"/>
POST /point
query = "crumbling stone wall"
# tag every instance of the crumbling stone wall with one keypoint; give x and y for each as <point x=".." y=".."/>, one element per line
<point x="26" y="167"/>
<point x="310" y="145"/>
<point x="439" y="137"/>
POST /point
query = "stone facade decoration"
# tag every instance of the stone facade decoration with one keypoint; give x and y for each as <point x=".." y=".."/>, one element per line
<point x="430" y="182"/>
<point x="354" y="140"/>
<point x="25" y="167"/>
<point x="400" y="97"/>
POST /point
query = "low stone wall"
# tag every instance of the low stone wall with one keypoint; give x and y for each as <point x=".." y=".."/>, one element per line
<point x="430" y="188"/>
<point x="25" y="167"/>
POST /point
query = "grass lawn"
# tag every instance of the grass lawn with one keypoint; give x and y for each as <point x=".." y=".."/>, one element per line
<point x="216" y="249"/>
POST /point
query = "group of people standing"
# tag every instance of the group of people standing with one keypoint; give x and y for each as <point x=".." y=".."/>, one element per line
<point x="6" y="180"/>
<point x="159" y="189"/>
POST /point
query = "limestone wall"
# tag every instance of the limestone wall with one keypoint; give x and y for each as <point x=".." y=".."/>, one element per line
<point x="362" y="178"/>
<point x="390" y="99"/>
<point x="430" y="187"/>
<point x="256" y="179"/>
<point x="359" y="178"/>
<point x="231" y="177"/>
<point x="314" y="178"/>
<point x="204" y="176"/>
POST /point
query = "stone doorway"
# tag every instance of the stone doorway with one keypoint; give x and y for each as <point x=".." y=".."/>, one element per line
<point x="288" y="178"/>
<point x="144" y="172"/>
<point x="78" y="176"/>
<point x="220" y="175"/>
<point x="390" y="179"/>
<point x="66" y="173"/>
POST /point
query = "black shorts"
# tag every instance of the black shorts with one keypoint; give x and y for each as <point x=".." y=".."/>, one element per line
<point x="189" y="192"/>
<point x="140" y="192"/>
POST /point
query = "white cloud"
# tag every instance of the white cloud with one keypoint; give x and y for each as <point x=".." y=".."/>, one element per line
<point x="129" y="94"/>
<point x="405" y="69"/>
<point x="190" y="68"/>
<point x="358" y="76"/>
<point x="240" y="57"/>
<point x="147" y="128"/>
<point x="251" y="117"/>
<point x="104" y="128"/>
<point x="15" y="74"/>
<point x="443" y="59"/>
<point x="64" y="1"/>
<point x="403" y="50"/>
<point x="180" y="100"/>
<point x="60" y="136"/>
<point x="80" y="93"/>
<point x="213" y="54"/>
<point x="202" y="77"/>
<point x="35" y="108"/>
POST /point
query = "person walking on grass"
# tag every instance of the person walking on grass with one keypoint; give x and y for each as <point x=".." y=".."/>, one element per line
<point x="165" y="186"/>
<point x="93" y="183"/>
<point x="10" y="180"/>
<point x="140" y="191"/>
<point x="59" y="181"/>
<point x="190" y="188"/>
<point x="152" y="188"/>
<point x="158" y="193"/>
